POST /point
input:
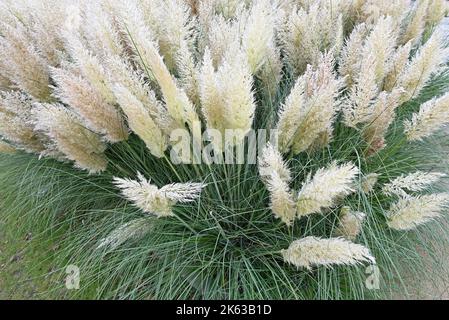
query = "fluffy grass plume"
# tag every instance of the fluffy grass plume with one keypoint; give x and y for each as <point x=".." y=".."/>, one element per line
<point x="415" y="181"/>
<point x="311" y="251"/>
<point x="431" y="117"/>
<point x="408" y="213"/>
<point x="350" y="223"/>
<point x="327" y="185"/>
<point x="158" y="201"/>
<point x="346" y="102"/>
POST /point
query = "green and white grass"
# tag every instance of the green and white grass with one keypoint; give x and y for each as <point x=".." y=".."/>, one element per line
<point x="227" y="244"/>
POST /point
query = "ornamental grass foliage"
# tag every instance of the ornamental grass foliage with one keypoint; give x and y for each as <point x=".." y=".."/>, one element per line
<point x="355" y="92"/>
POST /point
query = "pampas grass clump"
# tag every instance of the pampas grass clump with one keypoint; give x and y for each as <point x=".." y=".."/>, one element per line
<point x="354" y="91"/>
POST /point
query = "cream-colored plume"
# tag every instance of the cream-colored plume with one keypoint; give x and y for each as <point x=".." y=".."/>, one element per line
<point x="141" y="41"/>
<point x="122" y="74"/>
<point x="172" y="25"/>
<point x="310" y="108"/>
<point x="381" y="43"/>
<point x="236" y="83"/>
<point x="357" y="108"/>
<point x="290" y="115"/>
<point x="140" y="121"/>
<point x="371" y="11"/>
<point x="135" y="229"/>
<point x="271" y="162"/>
<point x="310" y="31"/>
<point x="6" y="147"/>
<point x="350" y="224"/>
<point x="99" y="115"/>
<point x="328" y="184"/>
<point x="227" y="98"/>
<point x="417" y="23"/>
<point x="212" y="104"/>
<point x="436" y="12"/>
<point x="374" y="57"/>
<point x="368" y="182"/>
<point x="89" y="67"/>
<point x="432" y="116"/>
<point x="258" y="37"/>
<point x="427" y="62"/>
<point x="382" y="115"/>
<point x="221" y="33"/>
<point x="174" y="28"/>
<point x="45" y="21"/>
<point x="16" y="126"/>
<point x="312" y="251"/>
<point x="70" y="137"/>
<point x="99" y="28"/>
<point x="350" y="61"/>
<point x="396" y="66"/>
<point x="282" y="202"/>
<point x="158" y="201"/>
<point x="22" y="63"/>
<point x="416" y="181"/>
<point x="276" y="176"/>
<point x="408" y="213"/>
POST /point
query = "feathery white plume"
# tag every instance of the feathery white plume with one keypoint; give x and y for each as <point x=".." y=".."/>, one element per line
<point x="100" y="116"/>
<point x="158" y="201"/>
<point x="236" y="83"/>
<point x="135" y="229"/>
<point x="46" y="18"/>
<point x="310" y="108"/>
<point x="140" y="121"/>
<point x="271" y="162"/>
<point x="327" y="185"/>
<point x="350" y="224"/>
<point x="276" y="176"/>
<point x="140" y="39"/>
<point x="212" y="104"/>
<point x="416" y="25"/>
<point x="173" y="26"/>
<point x="23" y="64"/>
<point x="122" y="74"/>
<point x="227" y="98"/>
<point x="291" y="114"/>
<point x="258" y="37"/>
<point x="308" y="32"/>
<point x="432" y="115"/>
<point x="89" y="66"/>
<point x="357" y="108"/>
<point x="6" y="147"/>
<point x="426" y="63"/>
<point x="436" y="12"/>
<point x="350" y="60"/>
<point x="381" y="43"/>
<point x="313" y="251"/>
<point x="16" y="126"/>
<point x="282" y="202"/>
<point x="396" y="66"/>
<point x="371" y="10"/>
<point x="100" y="30"/>
<point x="381" y="116"/>
<point x="368" y="182"/>
<point x="374" y="57"/>
<point x="220" y="35"/>
<point x="415" y="181"/>
<point x="408" y="213"/>
<point x="70" y="137"/>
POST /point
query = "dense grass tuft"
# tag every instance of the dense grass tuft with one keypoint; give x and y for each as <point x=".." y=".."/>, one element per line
<point x="227" y="244"/>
